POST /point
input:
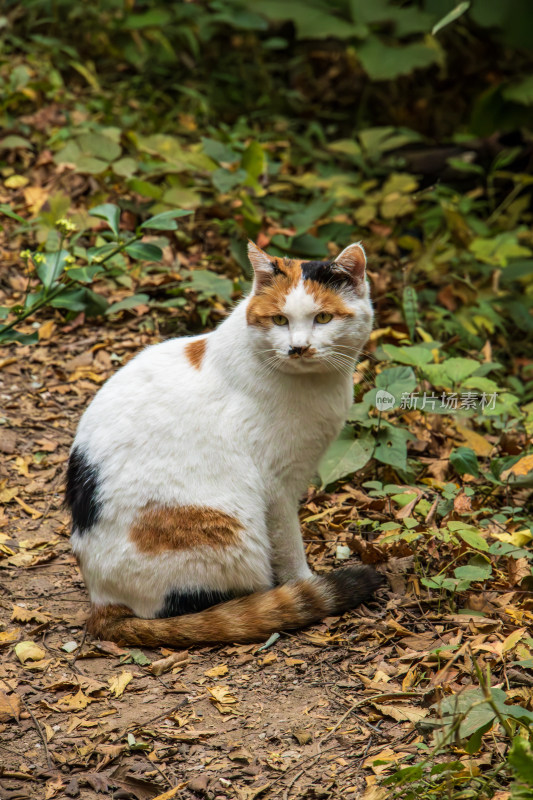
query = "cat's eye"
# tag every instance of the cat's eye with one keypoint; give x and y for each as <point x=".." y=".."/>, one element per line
<point x="323" y="317"/>
<point x="279" y="319"/>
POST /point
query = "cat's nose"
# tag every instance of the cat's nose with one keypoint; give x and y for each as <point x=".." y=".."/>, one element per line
<point x="298" y="351"/>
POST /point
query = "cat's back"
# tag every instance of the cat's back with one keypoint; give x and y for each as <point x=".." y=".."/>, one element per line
<point x="146" y="392"/>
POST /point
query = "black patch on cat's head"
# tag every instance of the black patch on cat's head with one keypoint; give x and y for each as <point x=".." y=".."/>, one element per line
<point x="323" y="272"/>
<point x="81" y="493"/>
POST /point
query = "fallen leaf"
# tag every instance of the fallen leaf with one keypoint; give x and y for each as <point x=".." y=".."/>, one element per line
<point x="29" y="651"/>
<point x="475" y="441"/>
<point x="402" y="713"/>
<point x="8" y="637"/>
<point x="74" y="702"/>
<point x="10" y="706"/>
<point x="302" y="736"/>
<point x="166" y="664"/>
<point x="217" y="672"/>
<point x="20" y="614"/>
<point x="522" y="467"/>
<point x="119" y="683"/>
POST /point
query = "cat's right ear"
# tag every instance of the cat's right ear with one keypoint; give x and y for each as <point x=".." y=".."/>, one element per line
<point x="264" y="268"/>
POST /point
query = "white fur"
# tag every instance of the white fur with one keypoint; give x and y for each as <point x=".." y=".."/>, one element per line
<point x="243" y="434"/>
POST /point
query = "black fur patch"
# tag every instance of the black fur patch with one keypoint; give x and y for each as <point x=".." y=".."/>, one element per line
<point x="322" y="272"/>
<point x="190" y="602"/>
<point x="81" y="494"/>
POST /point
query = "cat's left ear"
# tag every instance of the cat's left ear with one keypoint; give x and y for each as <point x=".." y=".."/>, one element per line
<point x="262" y="264"/>
<point x="352" y="262"/>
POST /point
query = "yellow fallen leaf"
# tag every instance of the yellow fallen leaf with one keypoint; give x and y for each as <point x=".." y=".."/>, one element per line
<point x="174" y="660"/>
<point x="34" y="512"/>
<point x="217" y="672"/>
<point x="221" y="694"/>
<point x="7" y="495"/>
<point x="46" y="330"/>
<point x="521" y="467"/>
<point x="20" y="614"/>
<point x="74" y="702"/>
<point x="35" y="197"/>
<point x="402" y="713"/>
<point x="29" y="651"/>
<point x="119" y="683"/>
<point x="513" y="639"/>
<point x="474" y="440"/>
<point x="518" y="538"/>
<point x="171" y="792"/>
<point x="8" y="637"/>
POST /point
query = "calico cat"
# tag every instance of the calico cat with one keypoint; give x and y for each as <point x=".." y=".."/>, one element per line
<point x="187" y="467"/>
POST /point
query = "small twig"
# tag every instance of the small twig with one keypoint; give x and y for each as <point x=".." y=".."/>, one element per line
<point x="78" y="651"/>
<point x="41" y="733"/>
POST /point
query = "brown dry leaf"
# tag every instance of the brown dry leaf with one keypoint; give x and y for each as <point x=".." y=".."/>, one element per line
<point x="518" y="569"/>
<point x="119" y="683"/>
<point x="29" y="651"/>
<point x="74" y="702"/>
<point x="387" y="755"/>
<point x="302" y="736"/>
<point x="8" y="637"/>
<point x="35" y="197"/>
<point x="171" y="793"/>
<point x="270" y="658"/>
<point x="10" y="707"/>
<point x="462" y="504"/>
<point x="33" y="512"/>
<point x="513" y="639"/>
<point x="217" y="672"/>
<point x="402" y="713"/>
<point x="20" y="614"/>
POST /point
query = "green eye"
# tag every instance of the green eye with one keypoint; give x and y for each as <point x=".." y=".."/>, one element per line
<point x="323" y="317"/>
<point x="279" y="319"/>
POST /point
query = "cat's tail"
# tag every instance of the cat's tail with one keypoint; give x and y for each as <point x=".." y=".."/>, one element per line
<point x="246" y="619"/>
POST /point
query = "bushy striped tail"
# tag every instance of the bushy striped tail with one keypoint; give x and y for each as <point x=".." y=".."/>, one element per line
<point x="246" y="619"/>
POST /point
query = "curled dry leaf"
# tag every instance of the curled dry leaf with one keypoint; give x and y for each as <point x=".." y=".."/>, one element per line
<point x="29" y="651"/>
<point x="10" y="706"/>
<point x="166" y="664"/>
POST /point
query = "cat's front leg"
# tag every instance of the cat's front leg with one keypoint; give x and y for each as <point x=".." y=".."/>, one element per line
<point x="288" y="553"/>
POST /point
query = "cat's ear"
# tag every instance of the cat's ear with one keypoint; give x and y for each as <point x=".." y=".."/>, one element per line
<point x="352" y="263"/>
<point x="264" y="268"/>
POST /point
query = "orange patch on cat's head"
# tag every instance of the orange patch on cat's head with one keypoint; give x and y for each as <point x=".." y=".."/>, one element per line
<point x="272" y="291"/>
<point x="328" y="300"/>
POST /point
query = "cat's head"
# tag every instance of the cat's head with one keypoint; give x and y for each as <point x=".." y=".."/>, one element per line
<point x="309" y="316"/>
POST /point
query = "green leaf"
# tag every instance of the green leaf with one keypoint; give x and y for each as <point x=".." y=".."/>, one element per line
<point x="471" y="572"/>
<point x="415" y="356"/>
<point x="391" y="446"/>
<point x="166" y="221"/>
<point x="396" y="380"/>
<point x="7" y="337"/>
<point x="451" y="16"/>
<point x="464" y="461"/>
<point x="521" y="92"/>
<point x="310" y="22"/>
<point x="451" y="372"/>
<point x="110" y="212"/>
<point x="99" y="146"/>
<point x="128" y="302"/>
<point x="136" y="656"/>
<point x="85" y="274"/>
<point x="346" y="455"/>
<point x="520" y="757"/>
<point x="144" y="251"/>
<point x="209" y="284"/>
<point x="52" y="267"/>
<point x="81" y="299"/>
<point x="125" y="167"/>
<point x="410" y="309"/>
<point x="253" y="163"/>
<point x="384" y="63"/>
<point x="13" y="142"/>
<point x="8" y="212"/>
<point x="224" y="180"/>
<point x="474" y="539"/>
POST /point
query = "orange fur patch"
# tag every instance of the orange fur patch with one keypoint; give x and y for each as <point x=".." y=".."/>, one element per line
<point x="162" y="528"/>
<point x="271" y="297"/>
<point x="328" y="300"/>
<point x="195" y="352"/>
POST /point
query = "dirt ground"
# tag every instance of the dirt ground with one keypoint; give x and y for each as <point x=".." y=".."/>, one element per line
<point x="306" y="715"/>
